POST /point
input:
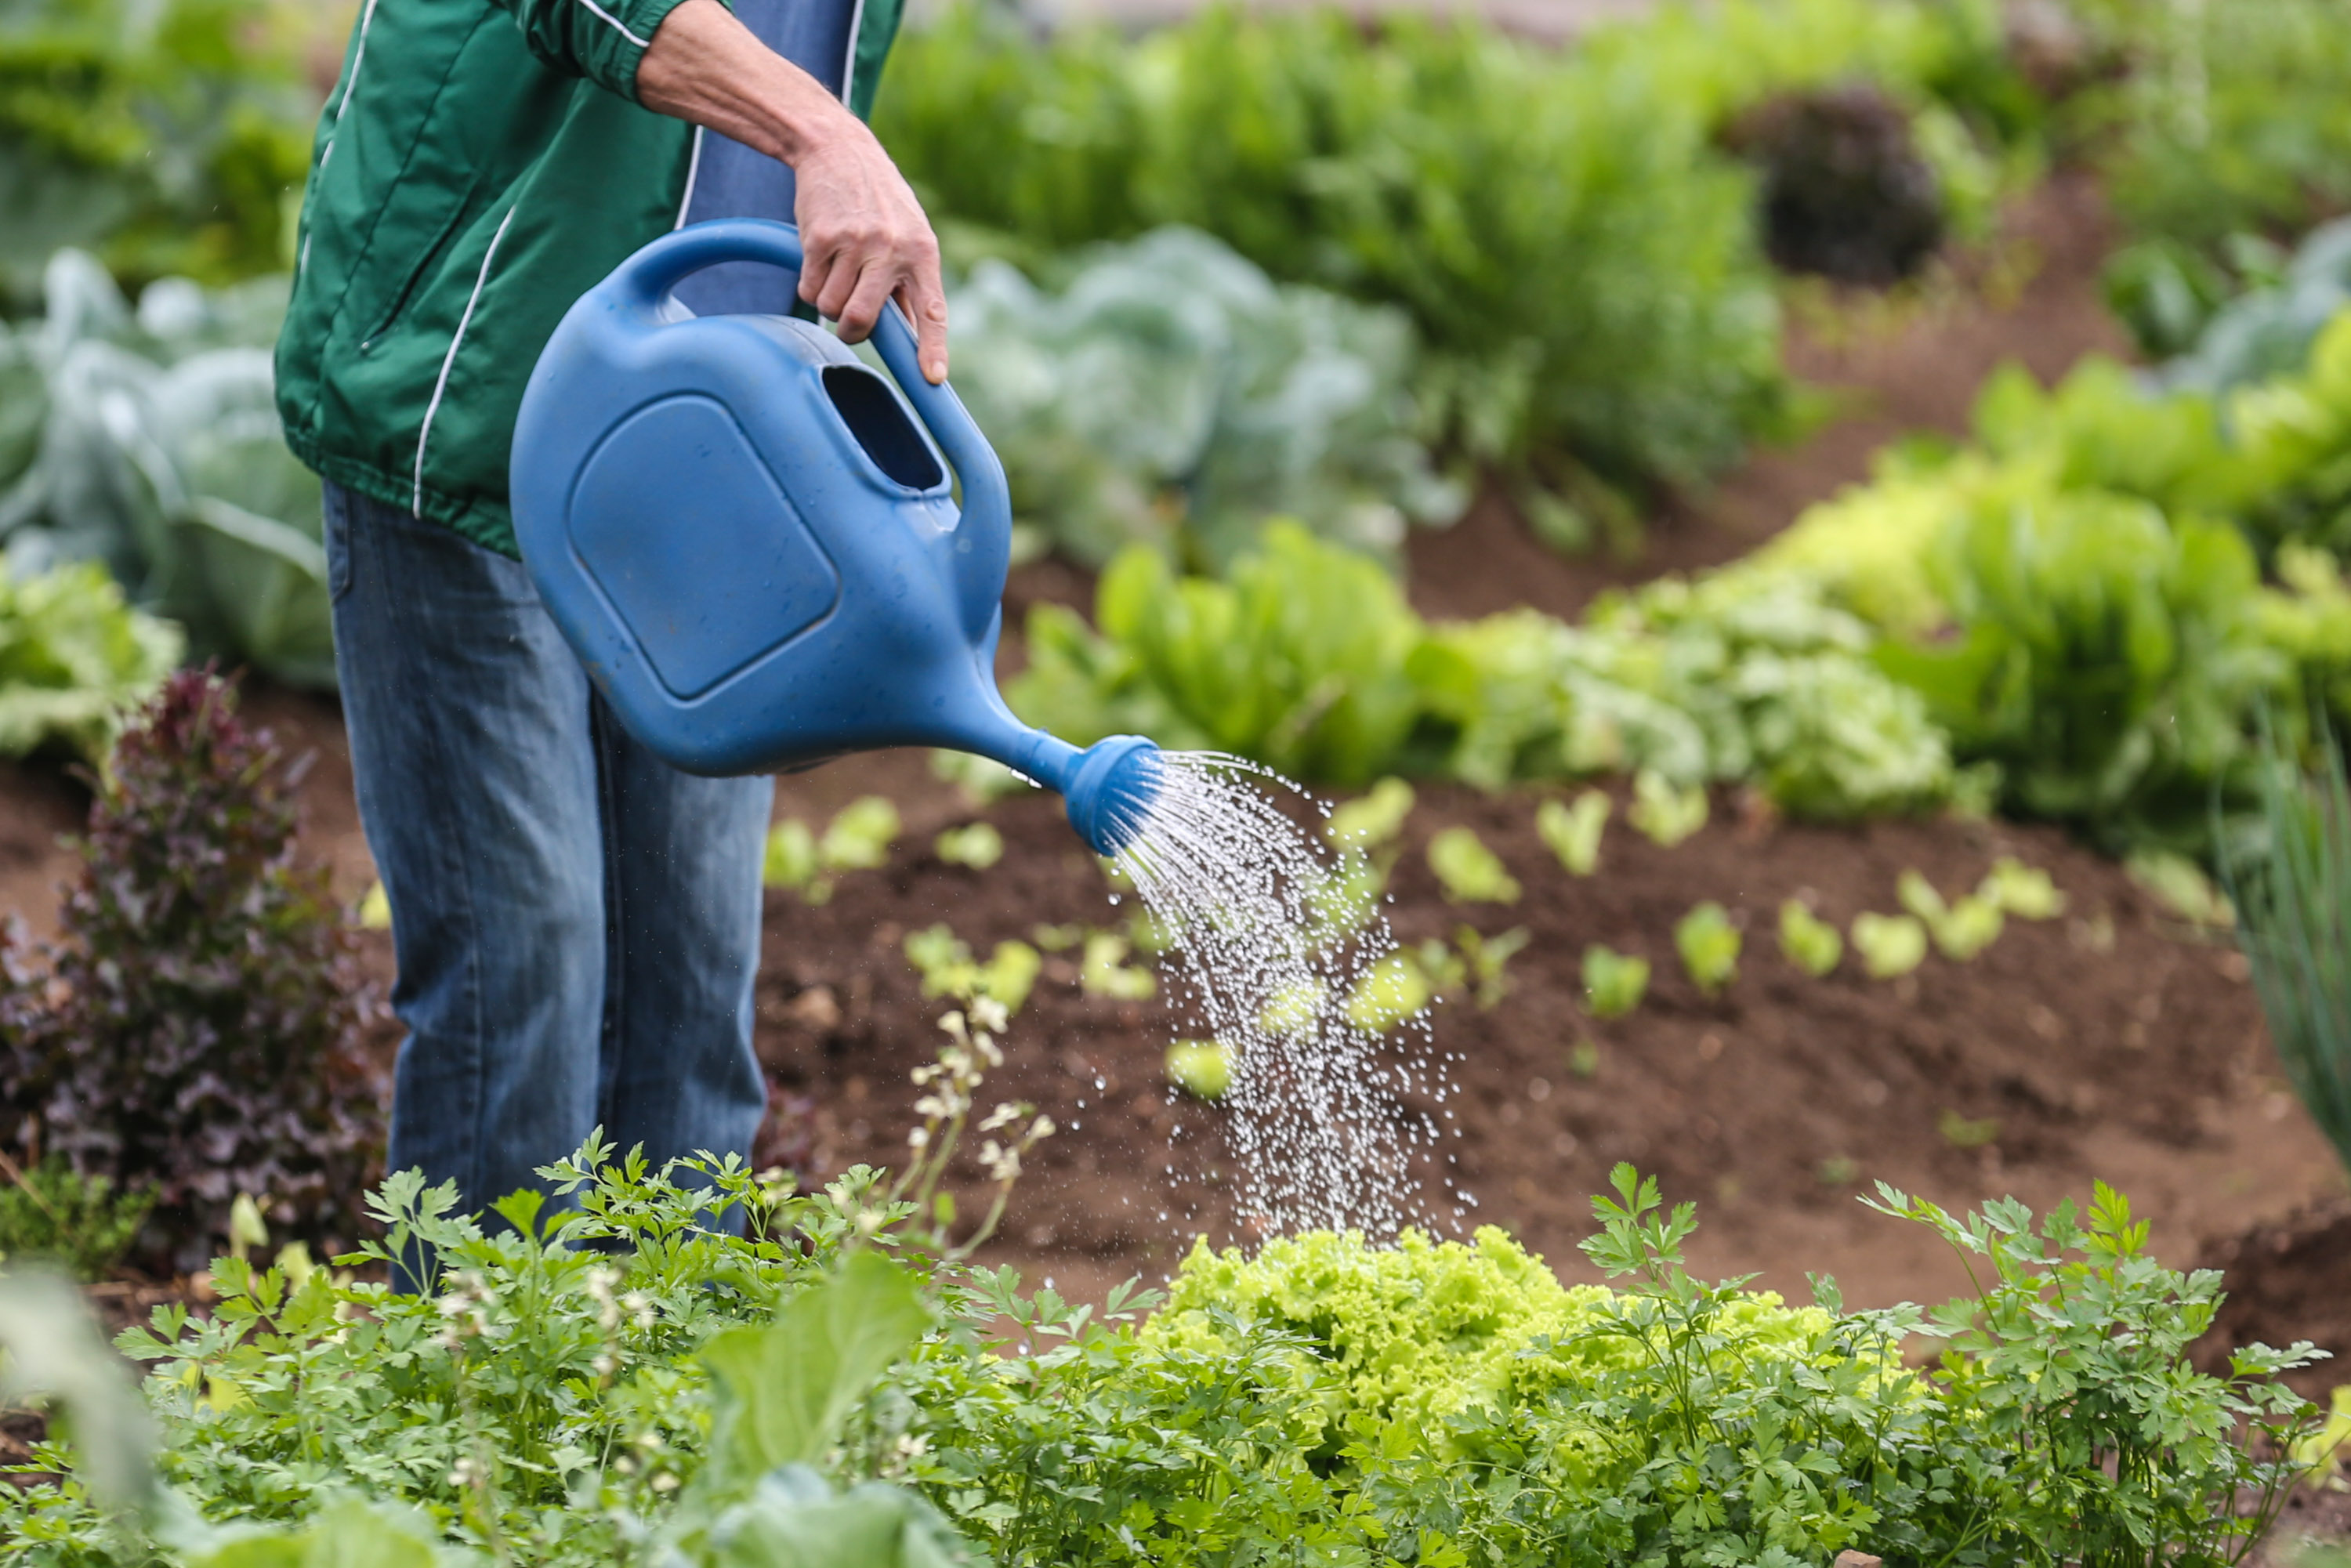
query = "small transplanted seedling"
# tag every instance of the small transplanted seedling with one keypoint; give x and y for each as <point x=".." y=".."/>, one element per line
<point x="858" y="839"/>
<point x="1345" y="899"/>
<point x="1961" y="930"/>
<point x="2180" y="885"/>
<point x="1890" y="945"/>
<point x="1613" y="982"/>
<point x="1709" y="944"/>
<point x="976" y="845"/>
<point x="1371" y="820"/>
<point x="946" y="963"/>
<point x="1666" y="813"/>
<point x="1388" y="993"/>
<point x="1583" y="1057"/>
<point x="1202" y="1069"/>
<point x="2020" y="892"/>
<point x="1961" y="1133"/>
<point x="1807" y="941"/>
<point x="1293" y="1009"/>
<point x="1573" y="830"/>
<point x="1103" y="971"/>
<point x="1488" y="959"/>
<point x="1468" y="871"/>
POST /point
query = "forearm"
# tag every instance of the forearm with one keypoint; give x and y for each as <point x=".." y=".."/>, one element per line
<point x="705" y="67"/>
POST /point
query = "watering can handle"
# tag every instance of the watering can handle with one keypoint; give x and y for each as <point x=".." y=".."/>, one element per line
<point x="980" y="547"/>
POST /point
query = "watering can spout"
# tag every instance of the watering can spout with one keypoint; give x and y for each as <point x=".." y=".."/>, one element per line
<point x="1109" y="787"/>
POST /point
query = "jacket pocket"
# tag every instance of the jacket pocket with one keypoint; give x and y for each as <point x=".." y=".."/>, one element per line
<point x="460" y="212"/>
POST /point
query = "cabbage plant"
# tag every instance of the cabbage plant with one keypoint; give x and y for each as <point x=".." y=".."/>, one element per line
<point x="149" y="439"/>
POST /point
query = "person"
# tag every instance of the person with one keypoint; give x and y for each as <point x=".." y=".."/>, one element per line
<point x="576" y="925"/>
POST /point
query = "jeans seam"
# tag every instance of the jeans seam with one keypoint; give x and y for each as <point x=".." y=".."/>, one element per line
<point x="611" y="1024"/>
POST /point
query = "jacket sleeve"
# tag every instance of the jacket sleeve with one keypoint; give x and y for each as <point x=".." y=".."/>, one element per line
<point x="602" y="40"/>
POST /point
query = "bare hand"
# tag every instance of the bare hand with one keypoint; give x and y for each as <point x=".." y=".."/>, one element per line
<point x="865" y="240"/>
<point x="863" y="237"/>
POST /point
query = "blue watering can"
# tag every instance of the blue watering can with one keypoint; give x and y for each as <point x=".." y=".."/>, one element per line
<point x="756" y="554"/>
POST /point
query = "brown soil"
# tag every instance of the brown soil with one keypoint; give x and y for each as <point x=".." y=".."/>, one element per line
<point x="2112" y="1044"/>
<point x="2291" y="1281"/>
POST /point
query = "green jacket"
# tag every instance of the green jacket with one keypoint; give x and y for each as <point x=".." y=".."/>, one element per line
<point x="480" y="164"/>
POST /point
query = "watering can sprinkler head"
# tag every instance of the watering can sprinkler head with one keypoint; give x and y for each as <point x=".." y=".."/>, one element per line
<point x="1109" y="787"/>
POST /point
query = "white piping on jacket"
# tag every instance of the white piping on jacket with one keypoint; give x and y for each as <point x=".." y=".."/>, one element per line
<point x="849" y="63"/>
<point x="416" y="501"/>
<point x="359" y="58"/>
<point x="693" y="171"/>
<point x="615" y="21"/>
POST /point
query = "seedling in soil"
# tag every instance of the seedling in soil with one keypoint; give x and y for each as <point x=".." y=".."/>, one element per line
<point x="1614" y="983"/>
<point x="1104" y="971"/>
<point x="2327" y="1451"/>
<point x="1373" y="820"/>
<point x="2021" y="891"/>
<point x="977" y="845"/>
<point x="858" y="839"/>
<point x="1058" y="938"/>
<point x="1346" y="899"/>
<point x="1391" y="991"/>
<point x="946" y="963"/>
<point x="1838" y="1170"/>
<point x="1573" y="831"/>
<point x="1890" y="945"/>
<point x="1961" y="930"/>
<point x="1488" y="959"/>
<point x="1583" y="1057"/>
<point x="1807" y="941"/>
<point x="2180" y="885"/>
<point x="1709" y="944"/>
<point x="1471" y="873"/>
<point x="1292" y="1010"/>
<point x="1963" y="1134"/>
<point x="1664" y="811"/>
<point x="1202" y="1069"/>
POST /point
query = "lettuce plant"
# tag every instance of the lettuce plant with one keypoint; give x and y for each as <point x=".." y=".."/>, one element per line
<point x="1807" y="941"/>
<point x="1708" y="945"/>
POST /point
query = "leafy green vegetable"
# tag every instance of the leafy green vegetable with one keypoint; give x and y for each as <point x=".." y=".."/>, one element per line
<point x="949" y="969"/>
<point x="1104" y="972"/>
<point x="1169" y="393"/>
<point x="74" y="660"/>
<point x="1961" y="930"/>
<point x="1486" y="960"/>
<point x="1664" y="814"/>
<point x="1574" y="251"/>
<point x="160" y="453"/>
<point x="1807" y="941"/>
<point x="1373" y="820"/>
<point x="2180" y="885"/>
<point x="2022" y="892"/>
<point x="1468" y="871"/>
<point x="1708" y="945"/>
<point x="1614" y="983"/>
<point x="1390" y="992"/>
<point x="859" y="836"/>
<point x="975" y="844"/>
<point x="1572" y="831"/>
<point x="1890" y="945"/>
<point x="1202" y="1069"/>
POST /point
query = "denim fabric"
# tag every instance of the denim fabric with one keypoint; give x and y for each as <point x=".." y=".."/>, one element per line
<point x="576" y="922"/>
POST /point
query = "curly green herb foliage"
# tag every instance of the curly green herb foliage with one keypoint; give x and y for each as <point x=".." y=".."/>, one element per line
<point x="1574" y="251"/>
<point x="2095" y="1441"/>
<point x="198" y="1030"/>
<point x="2293" y="904"/>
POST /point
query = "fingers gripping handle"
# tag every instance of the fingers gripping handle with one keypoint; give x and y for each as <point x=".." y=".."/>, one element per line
<point x="979" y="548"/>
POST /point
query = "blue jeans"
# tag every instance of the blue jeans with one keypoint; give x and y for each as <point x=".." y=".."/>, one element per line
<point x="576" y="922"/>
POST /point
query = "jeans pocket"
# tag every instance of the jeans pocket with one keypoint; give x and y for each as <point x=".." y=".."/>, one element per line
<point x="338" y="540"/>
